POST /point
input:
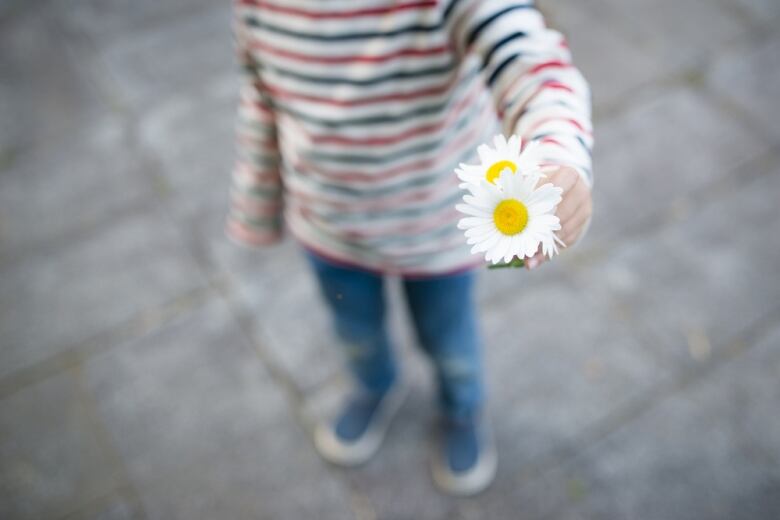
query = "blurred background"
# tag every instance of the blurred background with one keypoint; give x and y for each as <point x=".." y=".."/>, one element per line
<point x="150" y="369"/>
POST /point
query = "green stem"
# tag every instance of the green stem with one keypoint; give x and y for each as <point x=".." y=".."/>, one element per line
<point x="515" y="262"/>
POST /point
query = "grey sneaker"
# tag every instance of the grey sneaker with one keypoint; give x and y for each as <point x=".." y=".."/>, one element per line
<point x="360" y="428"/>
<point x="465" y="460"/>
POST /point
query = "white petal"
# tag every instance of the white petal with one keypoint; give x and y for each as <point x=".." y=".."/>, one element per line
<point x="483" y="151"/>
<point x="499" y="141"/>
<point x="545" y="222"/>
<point x="514" y="144"/>
<point x="471" y="210"/>
<point x="504" y="247"/>
<point x="487" y="243"/>
<point x="480" y="231"/>
<point x="471" y="222"/>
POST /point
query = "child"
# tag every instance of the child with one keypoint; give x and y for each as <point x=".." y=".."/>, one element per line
<point x="353" y="116"/>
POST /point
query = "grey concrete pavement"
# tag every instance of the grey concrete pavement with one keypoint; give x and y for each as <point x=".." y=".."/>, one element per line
<point x="151" y="369"/>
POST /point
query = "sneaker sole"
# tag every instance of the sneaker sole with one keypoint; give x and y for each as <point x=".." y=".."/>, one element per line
<point x="466" y="484"/>
<point x="349" y="454"/>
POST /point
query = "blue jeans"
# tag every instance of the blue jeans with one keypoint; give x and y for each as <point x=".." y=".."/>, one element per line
<point x="444" y="317"/>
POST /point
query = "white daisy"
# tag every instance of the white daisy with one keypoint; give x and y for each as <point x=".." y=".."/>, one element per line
<point x="505" y="155"/>
<point x="511" y="217"/>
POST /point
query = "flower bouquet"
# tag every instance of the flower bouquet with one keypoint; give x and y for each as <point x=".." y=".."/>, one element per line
<point x="509" y="212"/>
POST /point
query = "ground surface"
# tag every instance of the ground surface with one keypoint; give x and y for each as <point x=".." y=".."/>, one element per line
<point x="149" y="369"/>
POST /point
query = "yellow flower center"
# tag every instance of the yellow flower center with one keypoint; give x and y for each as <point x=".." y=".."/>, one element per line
<point x="510" y="216"/>
<point x="494" y="171"/>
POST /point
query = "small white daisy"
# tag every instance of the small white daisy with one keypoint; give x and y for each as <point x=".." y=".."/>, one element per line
<point x="505" y="155"/>
<point x="511" y="217"/>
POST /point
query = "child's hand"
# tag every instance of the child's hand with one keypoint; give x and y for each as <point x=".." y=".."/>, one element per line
<point x="574" y="209"/>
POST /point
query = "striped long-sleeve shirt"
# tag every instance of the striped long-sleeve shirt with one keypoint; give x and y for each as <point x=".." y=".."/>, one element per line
<point x="353" y="115"/>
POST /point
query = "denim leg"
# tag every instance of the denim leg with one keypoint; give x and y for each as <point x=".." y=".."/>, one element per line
<point x="443" y="312"/>
<point x="356" y="302"/>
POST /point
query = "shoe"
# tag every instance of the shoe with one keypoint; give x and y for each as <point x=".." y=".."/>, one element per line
<point x="465" y="460"/>
<point x="359" y="430"/>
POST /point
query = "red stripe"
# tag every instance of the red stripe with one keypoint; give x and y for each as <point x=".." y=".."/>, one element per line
<point x="376" y="58"/>
<point x="555" y="64"/>
<point x="253" y="208"/>
<point x="251" y="141"/>
<point x="551" y="140"/>
<point x="318" y="15"/>
<point x="539" y="123"/>
<point x="551" y="84"/>
<point x="525" y="77"/>
<point x="244" y="171"/>
<point x="259" y="104"/>
<point x="243" y="233"/>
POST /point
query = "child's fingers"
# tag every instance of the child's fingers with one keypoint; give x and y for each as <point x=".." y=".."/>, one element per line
<point x="566" y="213"/>
<point x="534" y="261"/>
<point x="581" y="212"/>
<point x="564" y="178"/>
<point x="573" y="229"/>
<point x="572" y="200"/>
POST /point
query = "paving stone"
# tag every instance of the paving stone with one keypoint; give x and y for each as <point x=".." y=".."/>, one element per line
<point x="115" y="510"/>
<point x="678" y="32"/>
<point x="191" y="136"/>
<point x="147" y="66"/>
<point x="105" y="20"/>
<point x="203" y="430"/>
<point x="195" y="161"/>
<point x="599" y="51"/>
<point x="45" y="91"/>
<point x="291" y="321"/>
<point x="763" y="11"/>
<point x="749" y="76"/>
<point x="69" y="187"/>
<point x="51" y="460"/>
<point x="660" y="153"/>
<point x="710" y="451"/>
<point x="558" y="364"/>
<point x="502" y="284"/>
<point x="53" y="302"/>
<point x="699" y="284"/>
<point x="113" y="507"/>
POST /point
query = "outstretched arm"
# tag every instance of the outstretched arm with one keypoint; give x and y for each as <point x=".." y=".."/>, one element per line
<point x="537" y="91"/>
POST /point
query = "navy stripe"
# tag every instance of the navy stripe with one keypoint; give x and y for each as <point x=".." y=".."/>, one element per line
<point x="504" y="64"/>
<point x="416" y="28"/>
<point x="449" y="9"/>
<point x="500" y="43"/>
<point x="547" y="104"/>
<point x="584" y="145"/>
<point x="474" y="34"/>
<point x="410" y="74"/>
